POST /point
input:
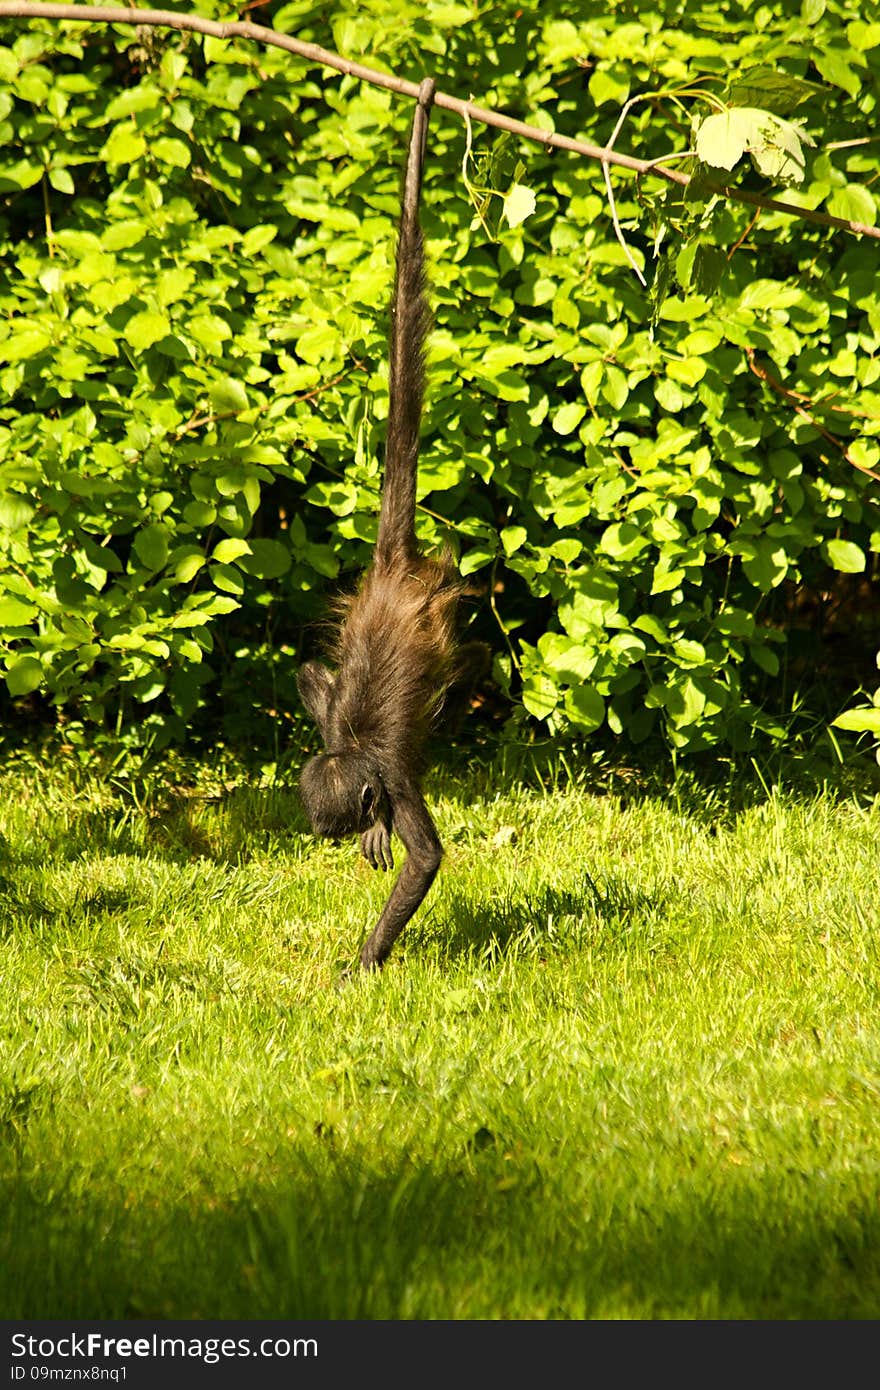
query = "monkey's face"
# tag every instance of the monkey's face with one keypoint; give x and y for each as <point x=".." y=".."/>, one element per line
<point x="342" y="793"/>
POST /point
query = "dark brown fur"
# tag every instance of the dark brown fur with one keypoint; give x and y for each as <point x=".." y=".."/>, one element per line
<point x="396" y="648"/>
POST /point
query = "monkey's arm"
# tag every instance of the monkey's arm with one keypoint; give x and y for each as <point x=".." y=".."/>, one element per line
<point x="424" y="851"/>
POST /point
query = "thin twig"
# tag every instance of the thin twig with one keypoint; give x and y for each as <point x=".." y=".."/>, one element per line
<point x="196" y="421"/>
<point x="47" y="214"/>
<point x="612" y="207"/>
<point x="315" y="391"/>
<point x="739" y="241"/>
<point x="514" y="659"/>
<point x="256" y="33"/>
<point x="652" y="164"/>
<point x="851" y="144"/>
<point x="794" y="397"/>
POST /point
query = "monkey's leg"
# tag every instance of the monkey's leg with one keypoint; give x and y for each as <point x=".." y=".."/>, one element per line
<point x="315" y="685"/>
<point x="423" y="854"/>
<point x="472" y="661"/>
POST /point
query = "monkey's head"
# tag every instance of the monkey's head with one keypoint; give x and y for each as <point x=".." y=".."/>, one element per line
<point x="343" y="793"/>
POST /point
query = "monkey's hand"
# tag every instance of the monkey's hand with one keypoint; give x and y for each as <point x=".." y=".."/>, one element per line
<point x="376" y="846"/>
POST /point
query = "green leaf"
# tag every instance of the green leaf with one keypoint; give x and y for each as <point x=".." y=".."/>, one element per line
<point x="833" y="66"/>
<point x="24" y="342"/>
<point x="228" y="579"/>
<point x="623" y="541"/>
<point x="771" y="89"/>
<point x="845" y="556"/>
<point x="209" y="331"/>
<point x="667" y="576"/>
<point x="220" y="603"/>
<point x="689" y="652"/>
<point x="540" y="695"/>
<point x="610" y="84"/>
<point x="765" y="658"/>
<point x="859" y="721"/>
<point x="319" y="343"/>
<point x="231" y="549"/>
<point x="615" y="387"/>
<point x="561" y="41"/>
<point x="477" y="557"/>
<point x="145" y="329"/>
<point x="722" y="138"/>
<point x="670" y="397"/>
<point x="854" y="204"/>
<point x="779" y="154"/>
<point x="519" y="203"/>
<point x="568" y="660"/>
<point x="188" y="566"/>
<point x="200" y="514"/>
<point x="24" y="675"/>
<point x="120" y="235"/>
<point x="863" y="36"/>
<point x="21" y="174"/>
<point x="151" y="546"/>
<point x="173" y="285"/>
<point x="763" y="560"/>
<point x="102" y="557"/>
<point x="775" y="145"/>
<point x="257" y="238"/>
<point x="684" y="701"/>
<point x="15" y="511"/>
<point x="766" y="565"/>
<point x="124" y="146"/>
<point x="131" y="102"/>
<point x="267" y="559"/>
<point x="15" y="612"/>
<point x="61" y="180"/>
<point x="229" y="395"/>
<point x="700" y="266"/>
<point x="513" y="538"/>
<point x="172" y="152"/>
<point x="592" y="604"/>
<point x="568" y="417"/>
<point x="646" y="622"/>
<point x="585" y="707"/>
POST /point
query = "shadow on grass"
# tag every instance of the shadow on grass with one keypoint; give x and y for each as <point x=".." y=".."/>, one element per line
<point x="189" y="813"/>
<point x="175" y="825"/>
<point x="483" y="1238"/>
<point x="534" y="920"/>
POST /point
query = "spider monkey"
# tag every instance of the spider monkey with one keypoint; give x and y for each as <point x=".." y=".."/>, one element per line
<point x="396" y="647"/>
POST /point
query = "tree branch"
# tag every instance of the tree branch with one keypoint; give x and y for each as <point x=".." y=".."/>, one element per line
<point x="257" y="33"/>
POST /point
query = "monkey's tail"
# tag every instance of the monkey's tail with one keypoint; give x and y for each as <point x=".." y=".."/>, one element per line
<point x="410" y="322"/>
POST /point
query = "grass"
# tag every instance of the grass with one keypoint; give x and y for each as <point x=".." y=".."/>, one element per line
<point x="624" y="1064"/>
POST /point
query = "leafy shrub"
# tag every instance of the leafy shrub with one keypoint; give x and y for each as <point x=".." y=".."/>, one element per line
<point x="198" y="237"/>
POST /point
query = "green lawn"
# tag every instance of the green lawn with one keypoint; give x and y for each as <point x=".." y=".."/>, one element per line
<point x="624" y="1064"/>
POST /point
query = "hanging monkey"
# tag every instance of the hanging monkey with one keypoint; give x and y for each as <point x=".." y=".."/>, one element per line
<point x="396" y="650"/>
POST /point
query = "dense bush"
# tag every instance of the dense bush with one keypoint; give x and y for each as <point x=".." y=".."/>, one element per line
<point x="649" y="483"/>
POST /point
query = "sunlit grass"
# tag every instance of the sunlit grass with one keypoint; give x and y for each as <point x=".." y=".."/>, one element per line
<point x="624" y="1064"/>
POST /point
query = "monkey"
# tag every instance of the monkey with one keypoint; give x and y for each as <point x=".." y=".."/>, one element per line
<point x="396" y="646"/>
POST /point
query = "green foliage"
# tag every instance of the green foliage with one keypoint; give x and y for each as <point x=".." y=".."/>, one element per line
<point x="198" y="237"/>
<point x="774" y="145"/>
<point x="863" y="718"/>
